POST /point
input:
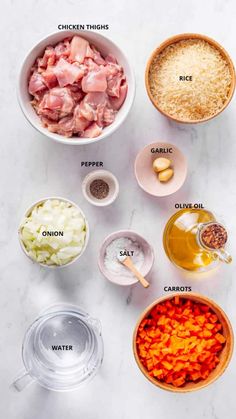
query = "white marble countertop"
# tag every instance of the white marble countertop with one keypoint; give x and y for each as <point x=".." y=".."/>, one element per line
<point x="33" y="167"/>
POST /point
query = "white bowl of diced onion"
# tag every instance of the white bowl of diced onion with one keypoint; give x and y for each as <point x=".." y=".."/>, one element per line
<point x="62" y="250"/>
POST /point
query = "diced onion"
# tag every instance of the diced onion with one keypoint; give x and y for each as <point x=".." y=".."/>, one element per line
<point x="53" y="215"/>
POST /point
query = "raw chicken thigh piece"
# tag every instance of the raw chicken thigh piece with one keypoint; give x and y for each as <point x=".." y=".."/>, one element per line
<point x="117" y="102"/>
<point x="57" y="100"/>
<point x="36" y="83"/>
<point x="76" y="91"/>
<point x="92" y="131"/>
<point x="95" y="81"/>
<point x="79" y="47"/>
<point x="67" y="73"/>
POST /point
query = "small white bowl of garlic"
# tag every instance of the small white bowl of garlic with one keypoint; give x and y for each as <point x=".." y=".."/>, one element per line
<point x="54" y="232"/>
<point x="160" y="169"/>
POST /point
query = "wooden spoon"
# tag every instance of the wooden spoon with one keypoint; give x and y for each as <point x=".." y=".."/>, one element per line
<point x="127" y="261"/>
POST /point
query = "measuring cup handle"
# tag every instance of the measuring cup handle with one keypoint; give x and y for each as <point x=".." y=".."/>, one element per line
<point x="22" y="381"/>
<point x="223" y="255"/>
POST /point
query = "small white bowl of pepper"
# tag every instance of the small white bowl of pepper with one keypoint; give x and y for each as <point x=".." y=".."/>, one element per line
<point x="100" y="188"/>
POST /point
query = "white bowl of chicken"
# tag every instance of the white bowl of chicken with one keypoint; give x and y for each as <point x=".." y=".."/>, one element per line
<point x="76" y="87"/>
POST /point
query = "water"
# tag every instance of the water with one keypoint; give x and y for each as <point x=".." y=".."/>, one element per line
<point x="62" y="349"/>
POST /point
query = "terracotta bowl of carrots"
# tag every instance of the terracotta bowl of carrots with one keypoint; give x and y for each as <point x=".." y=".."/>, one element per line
<point x="183" y="342"/>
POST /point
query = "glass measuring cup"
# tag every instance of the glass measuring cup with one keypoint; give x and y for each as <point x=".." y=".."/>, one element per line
<point x="62" y="349"/>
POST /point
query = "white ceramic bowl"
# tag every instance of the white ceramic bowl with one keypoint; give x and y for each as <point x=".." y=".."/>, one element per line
<point x="104" y="45"/>
<point x="148" y="257"/>
<point x="109" y="178"/>
<point x="29" y="210"/>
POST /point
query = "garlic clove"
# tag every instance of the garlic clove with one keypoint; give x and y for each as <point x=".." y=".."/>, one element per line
<point x="161" y="163"/>
<point x="165" y="175"/>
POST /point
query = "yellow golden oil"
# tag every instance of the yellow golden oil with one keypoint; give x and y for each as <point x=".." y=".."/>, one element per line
<point x="180" y="239"/>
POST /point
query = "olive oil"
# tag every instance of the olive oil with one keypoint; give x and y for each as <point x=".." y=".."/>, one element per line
<point x="181" y="239"/>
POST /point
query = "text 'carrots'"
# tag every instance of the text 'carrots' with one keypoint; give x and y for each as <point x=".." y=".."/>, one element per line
<point x="180" y="341"/>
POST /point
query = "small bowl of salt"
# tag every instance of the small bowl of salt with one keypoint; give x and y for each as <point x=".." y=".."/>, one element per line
<point x="125" y="243"/>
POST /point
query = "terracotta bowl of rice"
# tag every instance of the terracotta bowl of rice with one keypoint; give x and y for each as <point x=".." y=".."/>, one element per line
<point x="190" y="78"/>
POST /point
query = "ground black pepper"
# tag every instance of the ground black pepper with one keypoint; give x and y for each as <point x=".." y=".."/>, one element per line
<point x="99" y="188"/>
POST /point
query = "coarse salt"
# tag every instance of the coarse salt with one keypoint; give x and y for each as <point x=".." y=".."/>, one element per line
<point x="113" y="250"/>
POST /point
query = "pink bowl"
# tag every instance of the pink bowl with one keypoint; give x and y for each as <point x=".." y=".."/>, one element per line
<point x="147" y="178"/>
<point x="148" y="257"/>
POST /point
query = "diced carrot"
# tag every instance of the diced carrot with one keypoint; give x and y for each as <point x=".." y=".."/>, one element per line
<point x="166" y="351"/>
<point x="157" y="373"/>
<point x="149" y="364"/>
<point x="220" y="338"/>
<point x="213" y="318"/>
<point x="204" y="308"/>
<point x="200" y="319"/>
<point x="168" y="304"/>
<point x="217" y="327"/>
<point x="206" y="333"/>
<point x="179" y="341"/>
<point x="179" y="366"/>
<point x="195" y="376"/>
<point x="169" y="379"/>
<point x="167" y="365"/>
<point x="178" y="382"/>
<point x="210" y="326"/>
<point x="177" y="300"/>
